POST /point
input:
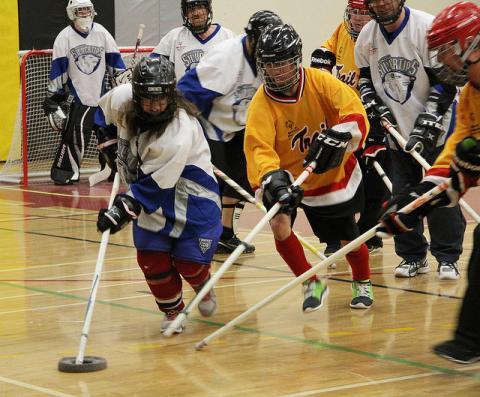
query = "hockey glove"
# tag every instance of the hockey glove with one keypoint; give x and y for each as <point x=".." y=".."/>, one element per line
<point x="375" y="148"/>
<point x="107" y="145"/>
<point x="124" y="209"/>
<point x="323" y="59"/>
<point x="424" y="136"/>
<point x="374" y="106"/>
<point x="395" y="222"/>
<point x="327" y="150"/>
<point x="277" y="187"/>
<point x="465" y="165"/>
<point x="123" y="77"/>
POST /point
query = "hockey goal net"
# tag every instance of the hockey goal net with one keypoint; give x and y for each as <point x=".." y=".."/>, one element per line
<point x="34" y="143"/>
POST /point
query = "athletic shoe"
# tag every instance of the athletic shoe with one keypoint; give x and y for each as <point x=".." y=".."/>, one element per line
<point x="453" y="351"/>
<point x="228" y="246"/>
<point x="448" y="271"/>
<point x="208" y="305"/>
<point x="375" y="244"/>
<point x="362" y="293"/>
<point x="314" y="294"/>
<point x="412" y="268"/>
<point x="170" y="316"/>
<point x="332" y="247"/>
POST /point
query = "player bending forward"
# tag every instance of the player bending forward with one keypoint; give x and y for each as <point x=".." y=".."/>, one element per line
<point x="173" y="196"/>
<point x="302" y="112"/>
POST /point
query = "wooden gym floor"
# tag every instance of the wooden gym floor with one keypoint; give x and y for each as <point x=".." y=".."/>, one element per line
<point x="49" y="247"/>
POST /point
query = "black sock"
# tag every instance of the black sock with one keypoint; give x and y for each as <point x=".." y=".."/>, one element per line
<point x="227" y="233"/>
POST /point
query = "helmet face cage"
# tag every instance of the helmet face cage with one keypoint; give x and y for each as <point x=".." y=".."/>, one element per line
<point x="356" y="16"/>
<point x="154" y="78"/>
<point x="188" y="5"/>
<point x="258" y="22"/>
<point x="279" y="57"/>
<point x="81" y="13"/>
<point x="391" y="16"/>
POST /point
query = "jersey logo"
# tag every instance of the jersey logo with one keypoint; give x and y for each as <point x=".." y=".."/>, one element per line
<point x="303" y="141"/>
<point x="191" y="58"/>
<point x="350" y="78"/>
<point x="243" y="95"/>
<point x="87" y="57"/>
<point x="398" y="76"/>
<point x="204" y="244"/>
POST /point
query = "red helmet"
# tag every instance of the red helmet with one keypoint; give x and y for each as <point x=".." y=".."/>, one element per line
<point x="454" y="34"/>
<point x="359" y="10"/>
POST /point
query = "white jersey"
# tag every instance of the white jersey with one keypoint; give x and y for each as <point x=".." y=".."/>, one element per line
<point x="170" y="175"/>
<point x="398" y="64"/>
<point x="80" y="61"/>
<point x="222" y="86"/>
<point x="184" y="48"/>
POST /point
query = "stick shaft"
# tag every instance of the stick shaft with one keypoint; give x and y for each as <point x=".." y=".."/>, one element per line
<point x="96" y="279"/>
<point x="141" y="27"/>
<point x="383" y="175"/>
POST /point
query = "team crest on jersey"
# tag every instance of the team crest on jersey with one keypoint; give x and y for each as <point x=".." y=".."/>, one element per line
<point x="191" y="58"/>
<point x="87" y="57"/>
<point x="350" y="78"/>
<point x="398" y="76"/>
<point x="303" y="140"/>
<point x="243" y="95"/>
<point x="204" y="244"/>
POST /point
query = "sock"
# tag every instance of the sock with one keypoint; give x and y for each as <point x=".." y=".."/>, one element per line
<point x="194" y="274"/>
<point x="236" y="215"/>
<point x="227" y="233"/>
<point x="358" y="261"/>
<point x="292" y="252"/>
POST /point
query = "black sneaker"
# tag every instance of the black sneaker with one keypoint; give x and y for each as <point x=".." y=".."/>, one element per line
<point x="332" y="247"/>
<point x="453" y="351"/>
<point x="228" y="246"/>
<point x="375" y="244"/>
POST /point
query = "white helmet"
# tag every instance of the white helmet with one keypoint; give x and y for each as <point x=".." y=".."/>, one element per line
<point x="81" y="12"/>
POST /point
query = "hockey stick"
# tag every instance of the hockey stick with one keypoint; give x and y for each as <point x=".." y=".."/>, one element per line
<point x="233" y="256"/>
<point x="260" y="206"/>
<point x="417" y="156"/>
<point x="141" y="27"/>
<point x="67" y="364"/>
<point x="383" y="175"/>
<point x="335" y="256"/>
<point x="100" y="176"/>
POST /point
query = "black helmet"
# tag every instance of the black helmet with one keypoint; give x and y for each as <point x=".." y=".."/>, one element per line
<point x="258" y="22"/>
<point x="386" y="19"/>
<point x="279" y="47"/>
<point x="186" y="4"/>
<point x="153" y="78"/>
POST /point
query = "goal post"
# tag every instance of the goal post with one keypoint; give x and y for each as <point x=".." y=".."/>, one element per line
<point x="34" y="143"/>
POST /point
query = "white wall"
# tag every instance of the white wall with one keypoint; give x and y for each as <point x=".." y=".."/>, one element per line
<point x="314" y="20"/>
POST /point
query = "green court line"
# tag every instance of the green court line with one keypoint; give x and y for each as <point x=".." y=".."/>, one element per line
<point x="311" y="342"/>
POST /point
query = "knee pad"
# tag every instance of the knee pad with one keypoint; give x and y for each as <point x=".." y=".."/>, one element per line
<point x="194" y="273"/>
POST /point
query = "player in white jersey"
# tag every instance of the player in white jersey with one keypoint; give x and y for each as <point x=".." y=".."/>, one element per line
<point x="221" y="86"/>
<point x="82" y="53"/>
<point x="173" y="195"/>
<point x="397" y="83"/>
<point x="185" y="45"/>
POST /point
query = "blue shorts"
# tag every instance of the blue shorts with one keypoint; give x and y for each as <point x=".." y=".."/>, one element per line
<point x="199" y="249"/>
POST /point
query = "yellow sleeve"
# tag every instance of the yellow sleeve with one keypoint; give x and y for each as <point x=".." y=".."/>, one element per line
<point x="332" y="42"/>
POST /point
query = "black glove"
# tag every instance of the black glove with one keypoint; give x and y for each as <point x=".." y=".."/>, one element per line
<point x="375" y="149"/>
<point x="52" y="102"/>
<point x="465" y="165"/>
<point x="424" y="136"/>
<point x="327" y="150"/>
<point x="107" y="145"/>
<point x="395" y="222"/>
<point x="124" y="209"/>
<point x="323" y="59"/>
<point x="374" y="105"/>
<point x="277" y="187"/>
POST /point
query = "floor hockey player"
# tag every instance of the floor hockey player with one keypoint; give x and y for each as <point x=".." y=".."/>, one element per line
<point x="173" y="195"/>
<point x="221" y="86"/>
<point x="82" y="53"/>
<point x="185" y="45"/>
<point x="454" y="40"/>
<point x="397" y="82"/>
<point x="337" y="56"/>
<point x="306" y="114"/>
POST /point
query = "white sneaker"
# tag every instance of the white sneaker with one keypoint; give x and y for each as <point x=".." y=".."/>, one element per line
<point x="412" y="268"/>
<point x="170" y="316"/>
<point x="448" y="271"/>
<point x="208" y="305"/>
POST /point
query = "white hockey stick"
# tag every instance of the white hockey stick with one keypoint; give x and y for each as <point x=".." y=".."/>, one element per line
<point x="100" y="176"/>
<point x="233" y="256"/>
<point x="401" y="141"/>
<point x="96" y="278"/>
<point x="383" y="175"/>
<point x="141" y="27"/>
<point x="337" y="255"/>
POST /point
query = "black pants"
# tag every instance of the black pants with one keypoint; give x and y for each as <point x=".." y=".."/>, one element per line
<point x="468" y="327"/>
<point x="75" y="138"/>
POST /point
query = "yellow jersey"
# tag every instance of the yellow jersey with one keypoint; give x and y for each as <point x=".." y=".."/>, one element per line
<point x="279" y="131"/>
<point x="342" y="45"/>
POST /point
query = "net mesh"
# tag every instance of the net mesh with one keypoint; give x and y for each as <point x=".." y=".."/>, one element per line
<point x="33" y="139"/>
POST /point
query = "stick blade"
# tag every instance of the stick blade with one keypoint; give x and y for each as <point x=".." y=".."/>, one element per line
<point x="175" y="324"/>
<point x="90" y="364"/>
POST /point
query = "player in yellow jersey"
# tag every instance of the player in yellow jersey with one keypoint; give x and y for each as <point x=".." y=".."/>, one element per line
<point x="336" y="55"/>
<point x="454" y="41"/>
<point x="305" y="114"/>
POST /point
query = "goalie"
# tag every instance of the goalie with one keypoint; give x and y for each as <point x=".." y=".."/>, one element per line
<point x="82" y="53"/>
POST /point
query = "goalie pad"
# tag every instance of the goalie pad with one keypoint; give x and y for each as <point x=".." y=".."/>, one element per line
<point x="57" y="120"/>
